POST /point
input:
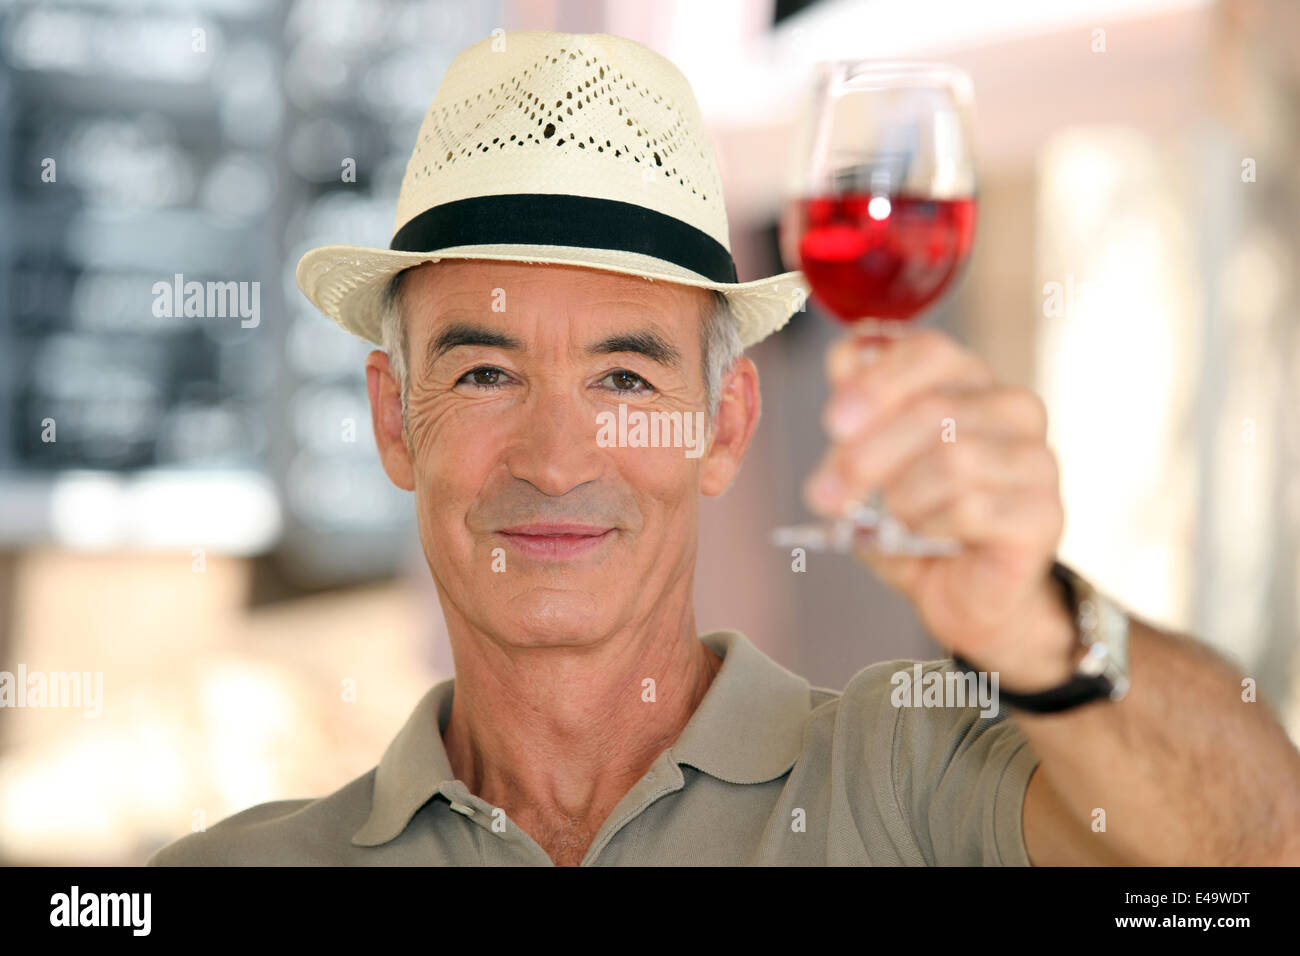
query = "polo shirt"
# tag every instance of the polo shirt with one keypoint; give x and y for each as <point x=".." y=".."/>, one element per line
<point x="768" y="771"/>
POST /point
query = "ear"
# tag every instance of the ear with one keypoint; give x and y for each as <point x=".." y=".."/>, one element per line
<point x="733" y="426"/>
<point x="386" y="419"/>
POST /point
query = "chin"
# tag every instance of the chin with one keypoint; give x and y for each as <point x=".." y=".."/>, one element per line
<point x="544" y="617"/>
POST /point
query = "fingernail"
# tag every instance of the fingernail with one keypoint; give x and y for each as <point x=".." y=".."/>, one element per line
<point x="847" y="416"/>
<point x="825" y="491"/>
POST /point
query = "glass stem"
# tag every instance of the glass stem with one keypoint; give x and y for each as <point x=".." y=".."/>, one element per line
<point x="871" y="334"/>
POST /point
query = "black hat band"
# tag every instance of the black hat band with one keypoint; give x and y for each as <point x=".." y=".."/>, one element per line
<point x="545" y="219"/>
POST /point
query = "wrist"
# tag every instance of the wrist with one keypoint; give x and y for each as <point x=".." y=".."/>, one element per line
<point x="1049" y="649"/>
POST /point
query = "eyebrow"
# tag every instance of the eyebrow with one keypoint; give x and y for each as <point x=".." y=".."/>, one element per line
<point x="465" y="333"/>
<point x="645" y="342"/>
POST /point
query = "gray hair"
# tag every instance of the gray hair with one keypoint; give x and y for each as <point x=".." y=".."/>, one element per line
<point x="719" y="343"/>
<point x="393" y="337"/>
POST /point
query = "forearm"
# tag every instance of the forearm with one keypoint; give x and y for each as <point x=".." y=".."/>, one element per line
<point x="1186" y="772"/>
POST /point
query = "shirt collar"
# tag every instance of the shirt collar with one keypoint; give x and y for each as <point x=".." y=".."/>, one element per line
<point x="748" y="729"/>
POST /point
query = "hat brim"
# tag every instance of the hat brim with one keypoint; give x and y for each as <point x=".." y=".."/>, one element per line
<point x="347" y="282"/>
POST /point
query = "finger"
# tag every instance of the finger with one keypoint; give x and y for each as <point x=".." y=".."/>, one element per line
<point x="941" y="474"/>
<point x="1004" y="410"/>
<point x="860" y="465"/>
<point x="898" y="571"/>
<point x="907" y="367"/>
<point x="850" y="352"/>
<point x="1004" y="516"/>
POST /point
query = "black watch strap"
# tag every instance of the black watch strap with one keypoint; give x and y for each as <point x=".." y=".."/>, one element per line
<point x="1079" y="689"/>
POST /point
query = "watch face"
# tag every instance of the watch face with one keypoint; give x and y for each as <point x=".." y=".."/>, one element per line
<point x="1103" y="626"/>
<point x="1111" y="631"/>
<point x="1101" y="622"/>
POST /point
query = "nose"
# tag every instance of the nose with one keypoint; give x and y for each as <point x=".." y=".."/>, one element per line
<point x="554" y="444"/>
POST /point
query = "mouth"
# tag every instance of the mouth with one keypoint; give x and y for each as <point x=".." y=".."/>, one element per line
<point x="556" y="541"/>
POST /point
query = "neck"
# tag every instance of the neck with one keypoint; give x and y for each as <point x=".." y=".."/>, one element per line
<point x="565" y="731"/>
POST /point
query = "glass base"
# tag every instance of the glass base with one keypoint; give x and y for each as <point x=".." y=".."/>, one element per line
<point x="867" y="528"/>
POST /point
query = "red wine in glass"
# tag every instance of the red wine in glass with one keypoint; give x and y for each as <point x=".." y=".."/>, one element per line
<point x="887" y="257"/>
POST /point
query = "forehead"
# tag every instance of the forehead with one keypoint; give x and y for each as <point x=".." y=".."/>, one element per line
<point x="484" y="288"/>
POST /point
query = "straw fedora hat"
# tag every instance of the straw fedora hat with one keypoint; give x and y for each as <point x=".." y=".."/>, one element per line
<point x="577" y="149"/>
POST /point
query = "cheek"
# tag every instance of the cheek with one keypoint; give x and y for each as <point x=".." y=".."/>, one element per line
<point x="663" y="480"/>
<point x="453" y="451"/>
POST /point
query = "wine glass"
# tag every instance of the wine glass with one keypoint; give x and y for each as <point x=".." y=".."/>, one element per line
<point x="880" y="216"/>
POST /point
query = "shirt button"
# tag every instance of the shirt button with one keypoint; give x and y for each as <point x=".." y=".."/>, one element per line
<point x="461" y="808"/>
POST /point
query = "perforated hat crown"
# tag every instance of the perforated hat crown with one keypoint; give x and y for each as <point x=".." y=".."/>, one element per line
<point x="578" y="149"/>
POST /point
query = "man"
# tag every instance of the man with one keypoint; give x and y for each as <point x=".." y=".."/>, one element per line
<point x="588" y="723"/>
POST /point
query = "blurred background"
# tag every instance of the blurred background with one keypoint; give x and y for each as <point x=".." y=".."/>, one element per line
<point x="193" y="511"/>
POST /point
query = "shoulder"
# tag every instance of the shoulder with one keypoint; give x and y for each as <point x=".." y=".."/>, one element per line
<point x="937" y="687"/>
<point x="919" y="720"/>
<point x="870" y="699"/>
<point x="280" y="833"/>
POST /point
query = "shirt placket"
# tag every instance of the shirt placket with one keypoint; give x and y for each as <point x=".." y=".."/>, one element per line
<point x="663" y="777"/>
<point x="508" y="844"/>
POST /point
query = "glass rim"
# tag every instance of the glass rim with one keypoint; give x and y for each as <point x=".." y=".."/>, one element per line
<point x="900" y="65"/>
<point x="852" y="68"/>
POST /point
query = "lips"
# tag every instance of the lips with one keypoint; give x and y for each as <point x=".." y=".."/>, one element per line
<point x="556" y="541"/>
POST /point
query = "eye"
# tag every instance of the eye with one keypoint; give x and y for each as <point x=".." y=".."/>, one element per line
<point x="485" y="376"/>
<point x="624" y="381"/>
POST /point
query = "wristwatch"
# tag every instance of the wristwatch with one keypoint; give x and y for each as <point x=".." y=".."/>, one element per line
<point x="1102" y="627"/>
